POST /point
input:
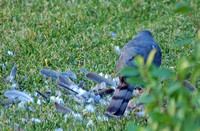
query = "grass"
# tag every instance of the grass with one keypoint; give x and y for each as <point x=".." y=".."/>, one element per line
<point x="63" y="35"/>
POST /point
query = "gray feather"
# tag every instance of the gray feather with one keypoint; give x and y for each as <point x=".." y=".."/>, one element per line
<point x="83" y="70"/>
<point x="63" y="109"/>
<point x="64" y="86"/>
<point x="49" y="73"/>
<point x="13" y="71"/>
<point x="97" y="78"/>
<point x="18" y="94"/>
<point x="63" y="80"/>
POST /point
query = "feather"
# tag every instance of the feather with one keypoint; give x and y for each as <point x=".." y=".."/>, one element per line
<point x="12" y="74"/>
<point x="13" y="71"/>
<point x="61" y="108"/>
<point x="83" y="70"/>
<point x="43" y="95"/>
<point x="18" y="94"/>
<point x="189" y="86"/>
<point x="7" y="101"/>
<point x="54" y="74"/>
<point x="97" y="78"/>
<point x="64" y="86"/>
<point x="63" y="80"/>
<point x="71" y="74"/>
<point x="81" y="84"/>
<point x="49" y="73"/>
<point x="105" y="92"/>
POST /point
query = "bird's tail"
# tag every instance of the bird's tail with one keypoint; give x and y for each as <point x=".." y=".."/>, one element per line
<point x="119" y="100"/>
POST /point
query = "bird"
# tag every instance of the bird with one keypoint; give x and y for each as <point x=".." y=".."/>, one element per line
<point x="141" y="45"/>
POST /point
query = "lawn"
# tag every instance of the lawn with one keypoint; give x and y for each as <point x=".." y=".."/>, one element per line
<point x="61" y="35"/>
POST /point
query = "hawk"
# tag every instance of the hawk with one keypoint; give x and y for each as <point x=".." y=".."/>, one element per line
<point x="141" y="45"/>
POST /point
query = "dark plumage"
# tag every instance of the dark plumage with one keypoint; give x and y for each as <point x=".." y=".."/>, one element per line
<point x="141" y="45"/>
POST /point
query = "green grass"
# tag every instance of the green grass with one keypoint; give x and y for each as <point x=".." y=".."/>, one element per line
<point x="73" y="34"/>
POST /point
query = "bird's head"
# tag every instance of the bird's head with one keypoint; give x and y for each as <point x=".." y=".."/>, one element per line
<point x="144" y="33"/>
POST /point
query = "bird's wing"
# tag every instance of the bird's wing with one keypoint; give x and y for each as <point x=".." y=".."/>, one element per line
<point x="129" y="52"/>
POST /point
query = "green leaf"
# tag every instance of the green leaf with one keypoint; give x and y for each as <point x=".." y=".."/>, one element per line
<point x="161" y="117"/>
<point x="195" y="74"/>
<point x="129" y="71"/>
<point x="183" y="42"/>
<point x="150" y="58"/>
<point x="163" y="73"/>
<point x="131" y="126"/>
<point x="147" y="99"/>
<point x="197" y="51"/>
<point x="182" y="66"/>
<point x="135" y="81"/>
<point x="173" y="87"/>
<point x="171" y="108"/>
<point x="139" y="61"/>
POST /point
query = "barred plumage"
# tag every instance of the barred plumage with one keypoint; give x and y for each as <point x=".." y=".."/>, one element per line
<point x="142" y="45"/>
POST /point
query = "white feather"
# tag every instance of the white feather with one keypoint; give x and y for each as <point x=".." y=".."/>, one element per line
<point x="19" y="94"/>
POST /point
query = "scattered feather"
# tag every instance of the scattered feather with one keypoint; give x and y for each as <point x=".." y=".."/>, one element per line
<point x="64" y="74"/>
<point x="91" y="100"/>
<point x="136" y="92"/>
<point x="7" y="101"/>
<point x="2" y="113"/>
<point x="103" y="102"/>
<point x="36" y="120"/>
<point x="105" y="92"/>
<point x="89" y="108"/>
<point x="83" y="70"/>
<point x="58" y="93"/>
<point x="13" y="71"/>
<point x="59" y="129"/>
<point x="21" y="105"/>
<point x="39" y="102"/>
<point x="78" y="99"/>
<point x="43" y="95"/>
<point x="56" y="99"/>
<point x="141" y="114"/>
<point x="14" y="86"/>
<point x="18" y="94"/>
<point x="81" y="84"/>
<point x="77" y="116"/>
<point x="102" y="85"/>
<point x="64" y="80"/>
<point x="49" y="73"/>
<point x="64" y="86"/>
<point x="189" y="86"/>
<point x="71" y="74"/>
<point x="62" y="109"/>
<point x="90" y="123"/>
<point x="101" y="74"/>
<point x="117" y="50"/>
<point x="100" y="118"/>
<point x="25" y="79"/>
<point x="116" y="81"/>
<point x="12" y="74"/>
<point x="97" y="78"/>
<point x="17" y="127"/>
<point x="95" y="97"/>
<point x="24" y="120"/>
<point x="113" y="34"/>
<point x="10" y="53"/>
